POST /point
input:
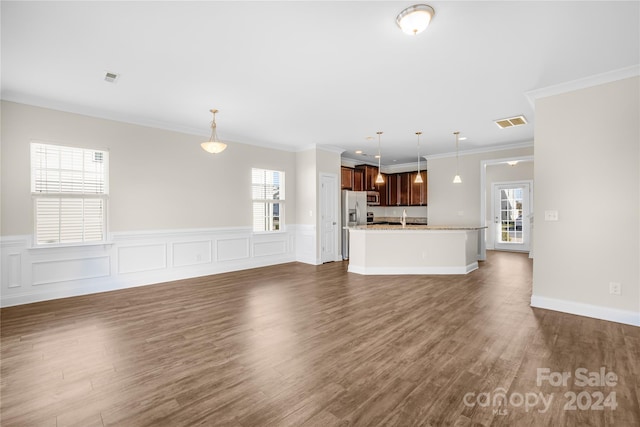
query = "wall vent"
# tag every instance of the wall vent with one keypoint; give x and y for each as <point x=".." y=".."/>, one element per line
<point x="511" y="122"/>
<point x="110" y="77"/>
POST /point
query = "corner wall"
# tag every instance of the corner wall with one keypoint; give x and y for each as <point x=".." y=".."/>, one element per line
<point x="587" y="152"/>
<point x="460" y="204"/>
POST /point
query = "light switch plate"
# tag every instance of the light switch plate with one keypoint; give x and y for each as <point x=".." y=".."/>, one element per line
<point x="550" y="215"/>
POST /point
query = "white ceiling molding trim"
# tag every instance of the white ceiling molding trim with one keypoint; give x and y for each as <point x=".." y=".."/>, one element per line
<point x="481" y="150"/>
<point x="573" y="85"/>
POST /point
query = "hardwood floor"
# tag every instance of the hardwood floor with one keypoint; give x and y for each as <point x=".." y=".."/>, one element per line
<point x="301" y="345"/>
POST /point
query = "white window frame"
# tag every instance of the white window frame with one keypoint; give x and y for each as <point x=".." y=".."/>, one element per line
<point x="102" y="195"/>
<point x="280" y="202"/>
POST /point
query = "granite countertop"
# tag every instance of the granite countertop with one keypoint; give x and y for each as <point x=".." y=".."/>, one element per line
<point x="395" y="227"/>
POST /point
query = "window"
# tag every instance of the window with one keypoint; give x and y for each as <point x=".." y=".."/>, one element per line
<point x="70" y="187"/>
<point x="267" y="188"/>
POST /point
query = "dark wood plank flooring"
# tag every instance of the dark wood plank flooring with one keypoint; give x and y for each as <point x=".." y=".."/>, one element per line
<point x="300" y="345"/>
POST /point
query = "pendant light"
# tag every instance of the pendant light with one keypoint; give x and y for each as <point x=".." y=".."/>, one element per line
<point x="457" y="179"/>
<point x="379" y="178"/>
<point x="418" y="179"/>
<point x="213" y="145"/>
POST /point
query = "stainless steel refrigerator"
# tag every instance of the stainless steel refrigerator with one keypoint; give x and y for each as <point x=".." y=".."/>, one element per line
<point x="354" y="212"/>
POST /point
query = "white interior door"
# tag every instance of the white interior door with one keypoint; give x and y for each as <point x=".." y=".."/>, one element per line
<point x="511" y="216"/>
<point x="328" y="217"/>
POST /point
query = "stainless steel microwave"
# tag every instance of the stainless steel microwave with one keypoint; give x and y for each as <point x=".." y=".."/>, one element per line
<point x="373" y="198"/>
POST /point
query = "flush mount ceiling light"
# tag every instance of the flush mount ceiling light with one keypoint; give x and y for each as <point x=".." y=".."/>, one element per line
<point x="457" y="179"/>
<point x="512" y="163"/>
<point x="418" y="179"/>
<point x="415" y="19"/>
<point x="379" y="178"/>
<point x="510" y="122"/>
<point x="213" y="145"/>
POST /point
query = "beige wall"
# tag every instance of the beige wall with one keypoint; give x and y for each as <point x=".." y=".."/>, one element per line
<point x="158" y="179"/>
<point x="459" y="204"/>
<point x="306" y="187"/>
<point x="587" y="146"/>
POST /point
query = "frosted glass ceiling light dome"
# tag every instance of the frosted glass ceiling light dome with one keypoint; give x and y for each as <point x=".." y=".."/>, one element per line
<point x="415" y="19"/>
<point x="213" y="145"/>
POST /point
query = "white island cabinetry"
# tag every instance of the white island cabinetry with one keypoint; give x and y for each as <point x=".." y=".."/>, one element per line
<point x="419" y="249"/>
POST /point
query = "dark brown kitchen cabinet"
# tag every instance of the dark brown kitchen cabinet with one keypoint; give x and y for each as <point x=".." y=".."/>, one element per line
<point x="382" y="189"/>
<point x="346" y="180"/>
<point x="398" y="189"/>
<point x="418" y="192"/>
<point x="403" y="191"/>
<point x="370" y="175"/>
<point x="358" y="180"/>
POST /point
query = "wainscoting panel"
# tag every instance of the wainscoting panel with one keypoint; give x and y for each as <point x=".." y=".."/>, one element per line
<point x="14" y="270"/>
<point x="232" y="248"/>
<point x="191" y="253"/>
<point x="272" y="244"/>
<point x="134" y="259"/>
<point x="67" y="270"/>
<point x="306" y="244"/>
<point x="140" y="258"/>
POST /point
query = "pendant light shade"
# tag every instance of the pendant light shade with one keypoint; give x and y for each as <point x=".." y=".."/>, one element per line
<point x="415" y="19"/>
<point x="379" y="178"/>
<point x="418" y="179"/>
<point x="457" y="179"/>
<point x="213" y="145"/>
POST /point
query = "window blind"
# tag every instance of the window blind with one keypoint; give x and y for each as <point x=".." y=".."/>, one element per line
<point x="267" y="189"/>
<point x="70" y="186"/>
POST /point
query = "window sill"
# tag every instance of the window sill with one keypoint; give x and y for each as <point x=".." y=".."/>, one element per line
<point x="269" y="232"/>
<point x="69" y="245"/>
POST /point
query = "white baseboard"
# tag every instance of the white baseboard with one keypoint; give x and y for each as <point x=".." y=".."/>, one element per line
<point x="626" y="317"/>
<point x="373" y="271"/>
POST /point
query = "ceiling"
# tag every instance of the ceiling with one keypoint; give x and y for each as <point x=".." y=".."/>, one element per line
<point x="296" y="74"/>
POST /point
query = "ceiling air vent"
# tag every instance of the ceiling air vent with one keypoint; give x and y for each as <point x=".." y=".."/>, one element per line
<point x="110" y="77"/>
<point x="511" y="122"/>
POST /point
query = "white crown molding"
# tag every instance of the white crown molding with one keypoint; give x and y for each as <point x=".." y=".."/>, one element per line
<point x="132" y="120"/>
<point x="405" y="167"/>
<point x="573" y="85"/>
<point x="482" y="150"/>
<point x="347" y="162"/>
<point x="331" y="149"/>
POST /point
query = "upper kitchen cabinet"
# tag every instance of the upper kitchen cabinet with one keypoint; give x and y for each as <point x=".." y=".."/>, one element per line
<point x="418" y="192"/>
<point x="403" y="191"/>
<point x="398" y="189"/>
<point x="346" y="178"/>
<point x="358" y="180"/>
<point x="370" y="174"/>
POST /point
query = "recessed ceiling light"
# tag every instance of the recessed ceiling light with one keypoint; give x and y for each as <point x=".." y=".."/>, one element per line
<point x="110" y="77"/>
<point x="511" y="122"/>
<point x="358" y="151"/>
<point x="368" y="138"/>
<point x="463" y="138"/>
<point x="378" y="156"/>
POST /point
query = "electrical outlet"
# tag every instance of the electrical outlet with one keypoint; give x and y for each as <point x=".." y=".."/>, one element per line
<point x="615" y="288"/>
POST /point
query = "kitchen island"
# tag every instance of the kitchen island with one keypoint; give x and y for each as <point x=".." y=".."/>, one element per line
<point x="413" y="249"/>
